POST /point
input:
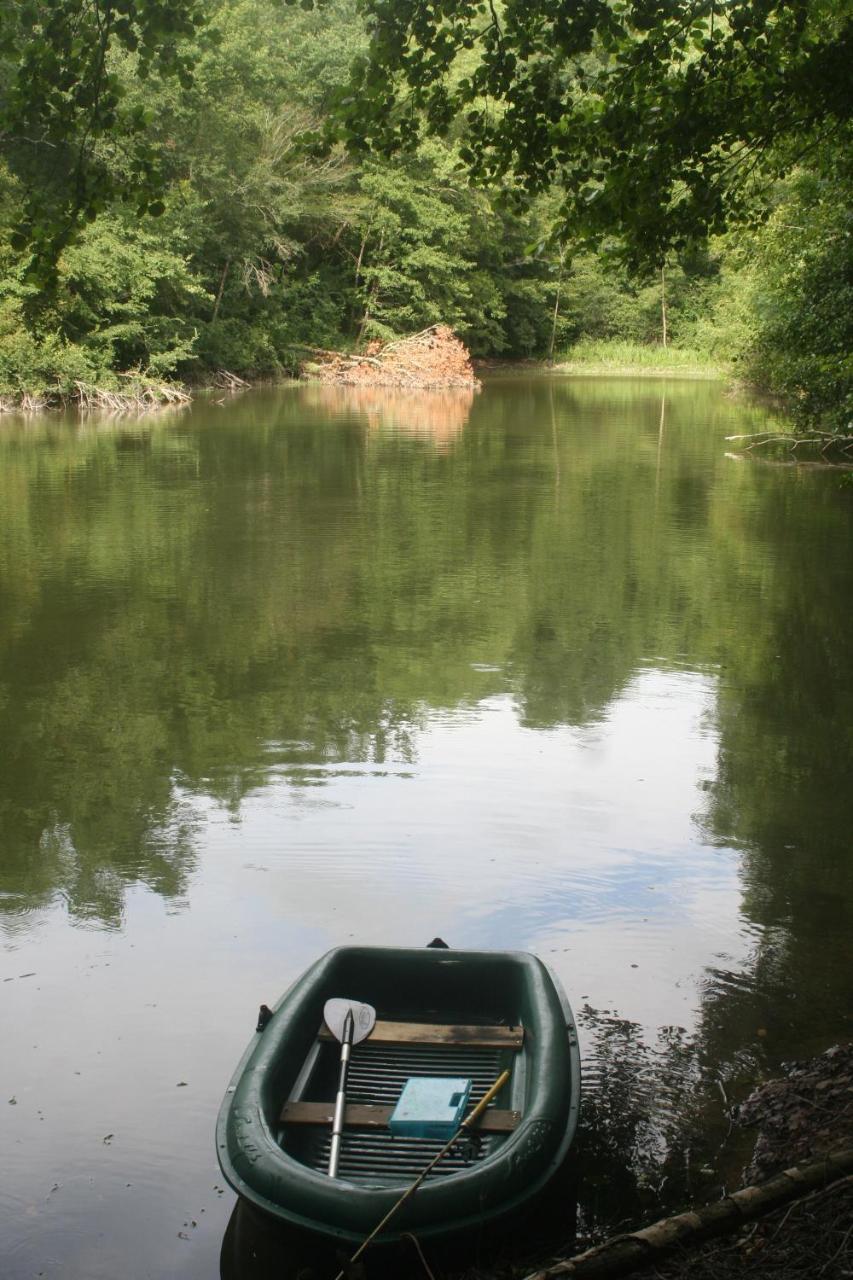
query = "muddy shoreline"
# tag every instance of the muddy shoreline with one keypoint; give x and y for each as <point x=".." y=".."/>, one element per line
<point x="801" y="1120"/>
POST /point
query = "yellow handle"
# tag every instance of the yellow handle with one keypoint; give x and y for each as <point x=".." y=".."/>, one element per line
<point x="485" y="1100"/>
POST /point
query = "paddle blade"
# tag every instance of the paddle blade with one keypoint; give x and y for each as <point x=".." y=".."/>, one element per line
<point x="363" y="1016"/>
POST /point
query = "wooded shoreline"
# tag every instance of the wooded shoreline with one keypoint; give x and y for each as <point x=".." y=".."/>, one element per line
<point x="142" y="395"/>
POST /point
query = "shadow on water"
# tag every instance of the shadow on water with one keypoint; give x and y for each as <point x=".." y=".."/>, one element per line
<point x="256" y="1248"/>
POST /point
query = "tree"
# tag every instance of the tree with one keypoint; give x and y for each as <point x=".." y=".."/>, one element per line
<point x="62" y="110"/>
<point x="657" y="119"/>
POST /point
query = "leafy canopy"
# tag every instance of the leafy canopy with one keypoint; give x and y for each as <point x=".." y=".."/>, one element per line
<point x="62" y="104"/>
<point x="655" y="118"/>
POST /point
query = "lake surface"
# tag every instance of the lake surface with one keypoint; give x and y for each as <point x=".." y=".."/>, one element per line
<point x="540" y="668"/>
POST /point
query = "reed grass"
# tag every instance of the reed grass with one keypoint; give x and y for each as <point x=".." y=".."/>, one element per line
<point x="616" y="355"/>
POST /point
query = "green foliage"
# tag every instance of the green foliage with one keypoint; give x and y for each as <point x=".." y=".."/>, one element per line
<point x="801" y="283"/>
<point x="119" y="303"/>
<point x="652" y="120"/>
<point x="63" y="111"/>
<point x="257" y="242"/>
<point x="32" y="367"/>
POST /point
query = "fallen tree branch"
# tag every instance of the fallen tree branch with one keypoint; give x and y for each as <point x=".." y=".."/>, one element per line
<point x="626" y="1253"/>
<point x="334" y="355"/>
<point x="229" y="381"/>
<point x="399" y="342"/>
<point x="766" y="436"/>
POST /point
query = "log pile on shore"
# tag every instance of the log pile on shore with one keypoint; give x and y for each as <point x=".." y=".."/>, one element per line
<point x="435" y="357"/>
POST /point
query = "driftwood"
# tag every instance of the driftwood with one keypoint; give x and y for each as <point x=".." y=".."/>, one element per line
<point x="225" y="380"/>
<point x="141" y="396"/>
<point x="821" y="440"/>
<point x="621" y="1255"/>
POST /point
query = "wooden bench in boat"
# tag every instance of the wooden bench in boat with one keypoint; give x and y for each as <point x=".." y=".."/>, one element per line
<point x="468" y="1035"/>
<point x="374" y="1116"/>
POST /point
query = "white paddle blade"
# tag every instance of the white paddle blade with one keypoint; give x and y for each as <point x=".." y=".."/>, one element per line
<point x="363" y="1017"/>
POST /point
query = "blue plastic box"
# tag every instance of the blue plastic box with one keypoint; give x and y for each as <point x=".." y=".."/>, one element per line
<point x="430" y="1107"/>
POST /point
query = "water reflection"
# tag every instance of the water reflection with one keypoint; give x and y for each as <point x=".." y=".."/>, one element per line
<point x="433" y="416"/>
<point x="540" y="670"/>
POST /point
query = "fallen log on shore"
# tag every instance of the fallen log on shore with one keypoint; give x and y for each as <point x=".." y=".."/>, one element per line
<point x="624" y="1254"/>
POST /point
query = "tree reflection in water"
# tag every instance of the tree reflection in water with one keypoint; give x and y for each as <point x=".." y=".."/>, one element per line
<point x="199" y="609"/>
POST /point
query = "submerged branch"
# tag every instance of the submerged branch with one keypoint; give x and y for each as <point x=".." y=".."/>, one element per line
<point x="825" y="444"/>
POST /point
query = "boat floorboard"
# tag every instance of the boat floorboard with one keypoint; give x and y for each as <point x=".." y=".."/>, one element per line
<point x="377" y="1074"/>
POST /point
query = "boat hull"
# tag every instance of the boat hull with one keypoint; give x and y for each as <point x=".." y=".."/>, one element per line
<point x="280" y="1170"/>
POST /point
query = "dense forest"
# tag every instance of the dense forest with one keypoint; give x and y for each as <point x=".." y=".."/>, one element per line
<point x="211" y="190"/>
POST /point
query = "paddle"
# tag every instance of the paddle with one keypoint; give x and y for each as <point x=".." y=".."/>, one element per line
<point x="349" y="1021"/>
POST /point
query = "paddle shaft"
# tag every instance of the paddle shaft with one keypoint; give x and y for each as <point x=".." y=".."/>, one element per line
<point x="410" y="1191"/>
<point x="341" y="1098"/>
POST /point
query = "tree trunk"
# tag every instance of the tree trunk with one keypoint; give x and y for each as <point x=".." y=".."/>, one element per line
<point x="361" y="249"/>
<point x="219" y="291"/>
<point x="371" y="296"/>
<point x="663" y="302"/>
<point x="556" y="306"/>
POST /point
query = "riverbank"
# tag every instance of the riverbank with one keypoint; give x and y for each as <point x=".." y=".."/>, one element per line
<point x="793" y="1216"/>
<point x="138" y="393"/>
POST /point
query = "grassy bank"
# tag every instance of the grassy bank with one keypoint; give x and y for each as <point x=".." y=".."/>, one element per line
<point x="619" y="358"/>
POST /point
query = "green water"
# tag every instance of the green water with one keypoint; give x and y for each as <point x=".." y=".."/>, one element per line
<point x="537" y="668"/>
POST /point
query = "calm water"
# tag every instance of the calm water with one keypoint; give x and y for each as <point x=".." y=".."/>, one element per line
<point x="540" y="668"/>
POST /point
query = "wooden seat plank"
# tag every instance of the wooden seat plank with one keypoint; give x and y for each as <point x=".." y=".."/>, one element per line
<point x="370" y="1116"/>
<point x="442" y="1033"/>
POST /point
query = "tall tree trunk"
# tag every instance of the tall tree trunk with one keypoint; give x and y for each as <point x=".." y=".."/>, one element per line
<point x="222" y="279"/>
<point x="663" y="302"/>
<point x="361" y="249"/>
<point x="556" y="306"/>
<point x="371" y="296"/>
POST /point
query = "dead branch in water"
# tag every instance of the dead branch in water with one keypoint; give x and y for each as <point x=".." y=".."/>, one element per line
<point x="766" y="436"/>
<point x="225" y="380"/>
<point x="824" y="441"/>
<point x="802" y="464"/>
<point x="141" y="396"/>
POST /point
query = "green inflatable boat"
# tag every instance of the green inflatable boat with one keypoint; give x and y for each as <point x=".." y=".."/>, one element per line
<point x="440" y="1013"/>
